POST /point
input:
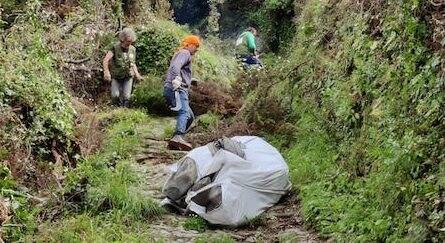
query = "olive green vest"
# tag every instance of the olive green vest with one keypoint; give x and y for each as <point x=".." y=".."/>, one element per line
<point x="121" y="62"/>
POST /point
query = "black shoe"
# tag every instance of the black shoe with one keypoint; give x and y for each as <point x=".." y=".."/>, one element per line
<point x="126" y="103"/>
<point x="116" y="102"/>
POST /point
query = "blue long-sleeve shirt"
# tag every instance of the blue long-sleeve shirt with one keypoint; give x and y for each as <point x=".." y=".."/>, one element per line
<point x="181" y="64"/>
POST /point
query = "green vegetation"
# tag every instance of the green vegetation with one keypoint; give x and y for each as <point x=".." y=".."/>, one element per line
<point x="105" y="189"/>
<point x="366" y="107"/>
<point x="114" y="226"/>
<point x="149" y="95"/>
<point x="10" y="6"/>
<point x="158" y="41"/>
<point x="24" y="215"/>
<point x="221" y="238"/>
<point x="107" y="177"/>
<point x="211" y="65"/>
<point x="168" y="132"/>
<point x="36" y="116"/>
<point x="355" y="101"/>
<point x="31" y="83"/>
<point x="209" y="120"/>
<point x="155" y="47"/>
<point x="274" y="19"/>
<point x="196" y="223"/>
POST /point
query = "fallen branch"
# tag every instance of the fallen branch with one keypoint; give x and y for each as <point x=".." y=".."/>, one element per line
<point x="85" y="69"/>
<point x="13" y="225"/>
<point x="239" y="238"/>
<point x="155" y="139"/>
<point x="170" y="152"/>
<point x="77" y="61"/>
<point x="70" y="29"/>
<point x="159" y="155"/>
<point x="15" y="109"/>
<point x="25" y="195"/>
<point x="439" y="3"/>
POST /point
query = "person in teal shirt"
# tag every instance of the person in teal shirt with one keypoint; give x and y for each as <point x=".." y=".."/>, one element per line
<point x="248" y="37"/>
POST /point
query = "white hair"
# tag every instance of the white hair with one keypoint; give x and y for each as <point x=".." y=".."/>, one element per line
<point x="127" y="33"/>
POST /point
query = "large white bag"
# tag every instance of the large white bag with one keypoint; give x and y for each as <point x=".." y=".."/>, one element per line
<point x="248" y="186"/>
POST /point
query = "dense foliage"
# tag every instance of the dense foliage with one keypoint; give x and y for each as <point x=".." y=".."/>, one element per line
<point x="37" y="118"/>
<point x="32" y="90"/>
<point x="155" y="46"/>
<point x="356" y="101"/>
<point x="275" y="21"/>
<point x="366" y="101"/>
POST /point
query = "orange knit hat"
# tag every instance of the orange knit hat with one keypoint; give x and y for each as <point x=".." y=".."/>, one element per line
<point x="190" y="40"/>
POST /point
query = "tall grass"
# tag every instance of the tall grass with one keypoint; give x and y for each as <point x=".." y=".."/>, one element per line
<point x="113" y="205"/>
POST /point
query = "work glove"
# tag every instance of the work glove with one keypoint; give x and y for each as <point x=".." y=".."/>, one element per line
<point x="177" y="81"/>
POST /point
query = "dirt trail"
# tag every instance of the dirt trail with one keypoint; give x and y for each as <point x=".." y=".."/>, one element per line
<point x="281" y="223"/>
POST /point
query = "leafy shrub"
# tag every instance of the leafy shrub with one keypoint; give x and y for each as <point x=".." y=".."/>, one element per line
<point x="21" y="212"/>
<point x="168" y="132"/>
<point x="10" y="6"/>
<point x="37" y="114"/>
<point x="158" y="42"/>
<point x="31" y="82"/>
<point x="155" y="47"/>
<point x="274" y="20"/>
<point x="209" y="120"/>
<point x="210" y="65"/>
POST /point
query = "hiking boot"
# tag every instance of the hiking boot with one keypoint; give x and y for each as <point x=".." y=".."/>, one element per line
<point x="126" y="103"/>
<point x="178" y="143"/>
<point x="115" y="102"/>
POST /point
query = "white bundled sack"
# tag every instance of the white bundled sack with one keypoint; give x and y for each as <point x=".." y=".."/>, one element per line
<point x="240" y="188"/>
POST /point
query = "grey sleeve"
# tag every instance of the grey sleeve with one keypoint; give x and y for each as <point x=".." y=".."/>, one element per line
<point x="178" y="61"/>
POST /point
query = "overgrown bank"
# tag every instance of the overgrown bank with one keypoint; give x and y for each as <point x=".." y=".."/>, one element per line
<point x="103" y="197"/>
<point x="36" y="124"/>
<point x="365" y="127"/>
<point x="61" y="177"/>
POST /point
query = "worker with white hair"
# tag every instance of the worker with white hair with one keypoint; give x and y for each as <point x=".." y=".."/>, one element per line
<point x="120" y="67"/>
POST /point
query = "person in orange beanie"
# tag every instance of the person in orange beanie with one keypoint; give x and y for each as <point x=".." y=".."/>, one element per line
<point x="176" y="85"/>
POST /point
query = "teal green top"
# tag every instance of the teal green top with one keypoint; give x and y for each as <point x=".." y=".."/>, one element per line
<point x="250" y="40"/>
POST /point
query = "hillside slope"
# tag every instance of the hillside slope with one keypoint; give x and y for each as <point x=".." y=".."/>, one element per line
<point x="361" y="97"/>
